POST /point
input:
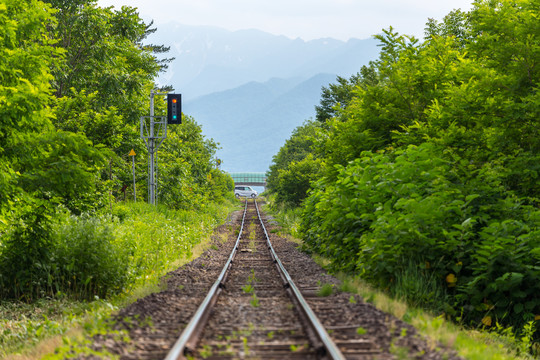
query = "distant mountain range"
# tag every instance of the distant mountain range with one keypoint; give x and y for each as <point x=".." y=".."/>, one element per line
<point x="249" y="89"/>
<point x="253" y="121"/>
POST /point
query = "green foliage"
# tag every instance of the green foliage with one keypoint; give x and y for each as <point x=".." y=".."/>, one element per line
<point x="188" y="175"/>
<point x="287" y="217"/>
<point x="421" y="287"/>
<point x="86" y="256"/>
<point x="429" y="181"/>
<point x="64" y="166"/>
<point x="157" y="238"/>
<point x="79" y="257"/>
<point x="295" y="166"/>
<point x="27" y="257"/>
<point x="390" y="213"/>
<point x="153" y="239"/>
<point x="325" y="290"/>
<point x="336" y="97"/>
<point x="88" y="260"/>
<point x="294" y="182"/>
<point x="75" y="80"/>
<point x="103" y="55"/>
<point x="25" y="55"/>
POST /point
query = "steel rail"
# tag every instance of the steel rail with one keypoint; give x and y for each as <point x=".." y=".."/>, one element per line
<point x="330" y="348"/>
<point x="188" y="339"/>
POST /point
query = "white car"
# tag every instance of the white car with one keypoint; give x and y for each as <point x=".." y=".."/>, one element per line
<point x="244" y="191"/>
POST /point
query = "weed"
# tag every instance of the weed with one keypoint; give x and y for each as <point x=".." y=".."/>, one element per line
<point x="400" y="352"/>
<point x="252" y="246"/>
<point x="325" y="290"/>
<point x="361" y="331"/>
<point x="206" y="352"/>
<point x="252" y="277"/>
<point x="245" y="346"/>
<point x="254" y="301"/>
<point x="419" y="287"/>
<point x="347" y="286"/>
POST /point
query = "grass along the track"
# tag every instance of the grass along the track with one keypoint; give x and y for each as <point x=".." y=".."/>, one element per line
<point x="159" y="240"/>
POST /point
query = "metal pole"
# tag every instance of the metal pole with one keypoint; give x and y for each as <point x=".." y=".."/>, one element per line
<point x="148" y="133"/>
<point x="134" y="189"/>
<point x="151" y="143"/>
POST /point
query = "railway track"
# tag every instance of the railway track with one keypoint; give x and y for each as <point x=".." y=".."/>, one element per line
<point x="255" y="310"/>
<point x="255" y="315"/>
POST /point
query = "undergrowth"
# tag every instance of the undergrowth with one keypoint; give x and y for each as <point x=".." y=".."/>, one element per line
<point x="415" y="296"/>
<point x="126" y="252"/>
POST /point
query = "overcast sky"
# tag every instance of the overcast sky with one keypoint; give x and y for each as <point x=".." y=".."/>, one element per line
<point x="307" y="19"/>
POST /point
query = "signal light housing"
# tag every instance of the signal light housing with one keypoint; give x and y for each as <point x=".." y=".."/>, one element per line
<point x="174" y="108"/>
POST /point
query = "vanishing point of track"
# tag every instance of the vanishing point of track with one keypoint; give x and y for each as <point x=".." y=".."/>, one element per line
<point x="261" y="313"/>
<point x="255" y="316"/>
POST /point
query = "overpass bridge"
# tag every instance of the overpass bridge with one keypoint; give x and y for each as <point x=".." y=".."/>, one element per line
<point x="249" y="178"/>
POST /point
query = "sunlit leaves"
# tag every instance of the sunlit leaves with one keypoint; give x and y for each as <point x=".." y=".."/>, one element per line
<point x="436" y="162"/>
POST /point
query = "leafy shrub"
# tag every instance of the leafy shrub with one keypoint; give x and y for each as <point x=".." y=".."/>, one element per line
<point x="45" y="253"/>
<point x="25" y="253"/>
<point x="88" y="261"/>
<point x="418" y="208"/>
<point x="157" y="237"/>
<point x="506" y="269"/>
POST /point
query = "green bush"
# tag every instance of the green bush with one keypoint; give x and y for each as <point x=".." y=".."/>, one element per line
<point x="45" y="253"/>
<point x="417" y="208"/>
<point x="25" y="253"/>
<point x="88" y="260"/>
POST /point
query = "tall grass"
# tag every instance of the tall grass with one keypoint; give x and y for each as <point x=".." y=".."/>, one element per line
<point x="288" y="217"/>
<point x="47" y="254"/>
<point x="114" y="256"/>
<point x="157" y="238"/>
<point x="419" y="288"/>
<point x="87" y="259"/>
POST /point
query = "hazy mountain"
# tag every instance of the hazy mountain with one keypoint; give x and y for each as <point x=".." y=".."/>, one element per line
<point x="253" y="121"/>
<point x="250" y="89"/>
<point x="209" y="59"/>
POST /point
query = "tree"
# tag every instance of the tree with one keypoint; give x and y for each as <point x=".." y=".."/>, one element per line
<point x="295" y="165"/>
<point x="29" y="143"/>
<point x="188" y="177"/>
<point x="431" y="171"/>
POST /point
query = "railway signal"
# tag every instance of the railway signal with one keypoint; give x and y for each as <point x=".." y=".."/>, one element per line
<point x="154" y="131"/>
<point x="174" y="108"/>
